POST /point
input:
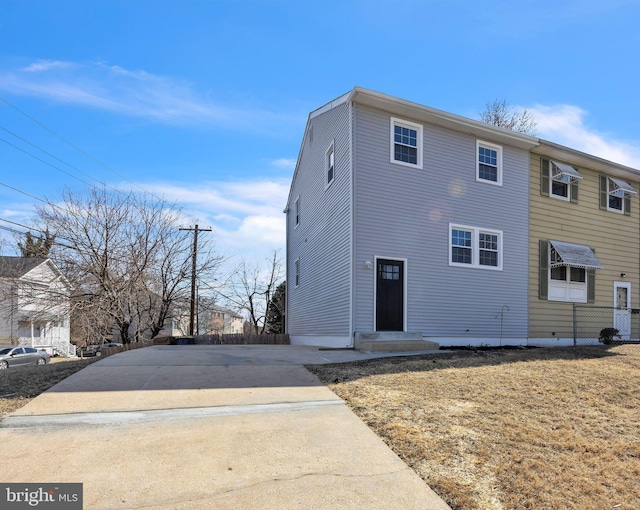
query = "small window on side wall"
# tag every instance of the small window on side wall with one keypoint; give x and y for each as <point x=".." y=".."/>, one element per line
<point x="488" y="163"/>
<point x="330" y="166"/>
<point x="297" y="211"/>
<point x="297" y="272"/>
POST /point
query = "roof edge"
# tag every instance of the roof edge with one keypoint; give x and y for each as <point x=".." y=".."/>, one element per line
<point x="332" y="104"/>
<point x="450" y="120"/>
<point x="551" y="149"/>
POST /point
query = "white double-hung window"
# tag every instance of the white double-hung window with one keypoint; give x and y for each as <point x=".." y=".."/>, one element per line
<point x="615" y="195"/>
<point x="488" y="163"/>
<point x="475" y="247"/>
<point x="559" y="180"/>
<point x="406" y="143"/>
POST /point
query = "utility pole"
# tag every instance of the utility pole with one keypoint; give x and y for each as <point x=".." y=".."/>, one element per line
<point x="193" y="274"/>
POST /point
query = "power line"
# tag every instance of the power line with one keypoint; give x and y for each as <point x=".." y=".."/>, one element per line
<point x="81" y="151"/>
<point x="29" y="229"/>
<point x="13" y="230"/>
<point x="27" y="194"/>
<point x="32" y="229"/>
<point x="58" y="159"/>
<point x="45" y="162"/>
<point x="23" y="226"/>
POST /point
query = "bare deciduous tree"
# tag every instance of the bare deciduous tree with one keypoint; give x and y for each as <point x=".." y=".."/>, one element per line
<point x="500" y="113"/>
<point x="251" y="288"/>
<point x="126" y="258"/>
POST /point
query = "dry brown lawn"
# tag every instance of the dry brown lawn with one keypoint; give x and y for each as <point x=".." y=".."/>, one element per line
<point x="18" y="385"/>
<point x="516" y="429"/>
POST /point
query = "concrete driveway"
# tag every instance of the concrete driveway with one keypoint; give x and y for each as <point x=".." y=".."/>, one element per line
<point x="208" y="427"/>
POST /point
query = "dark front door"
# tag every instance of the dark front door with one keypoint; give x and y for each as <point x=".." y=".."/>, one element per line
<point x="390" y="295"/>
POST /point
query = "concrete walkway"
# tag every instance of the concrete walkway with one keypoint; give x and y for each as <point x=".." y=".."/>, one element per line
<point x="208" y="427"/>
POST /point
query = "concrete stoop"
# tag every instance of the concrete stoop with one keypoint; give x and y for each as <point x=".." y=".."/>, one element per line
<point x="393" y="341"/>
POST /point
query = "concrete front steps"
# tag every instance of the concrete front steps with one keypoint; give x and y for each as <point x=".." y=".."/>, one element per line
<point x="392" y="341"/>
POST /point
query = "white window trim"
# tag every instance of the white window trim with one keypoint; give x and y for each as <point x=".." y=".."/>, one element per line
<point x="296" y="273"/>
<point x="475" y="246"/>
<point x="622" y="199"/>
<point x="327" y="155"/>
<point x="551" y="193"/>
<point x="412" y="125"/>
<point x="498" y="149"/>
<point x="296" y="211"/>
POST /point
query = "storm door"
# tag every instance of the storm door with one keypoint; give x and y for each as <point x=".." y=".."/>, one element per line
<point x="390" y="295"/>
<point x="622" y="309"/>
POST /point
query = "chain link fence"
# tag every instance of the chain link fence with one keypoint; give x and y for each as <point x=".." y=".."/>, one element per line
<point x="605" y="325"/>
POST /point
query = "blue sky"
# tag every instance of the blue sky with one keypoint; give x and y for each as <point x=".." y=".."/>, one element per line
<point x="205" y="102"/>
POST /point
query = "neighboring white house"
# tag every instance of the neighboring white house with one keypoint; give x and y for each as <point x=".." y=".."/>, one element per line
<point x="34" y="305"/>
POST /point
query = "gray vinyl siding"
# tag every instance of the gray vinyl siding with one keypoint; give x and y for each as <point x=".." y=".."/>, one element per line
<point x="405" y="213"/>
<point x="320" y="305"/>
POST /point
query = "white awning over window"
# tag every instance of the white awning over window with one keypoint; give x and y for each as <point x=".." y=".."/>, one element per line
<point x="566" y="170"/>
<point x="623" y="186"/>
<point x="575" y="255"/>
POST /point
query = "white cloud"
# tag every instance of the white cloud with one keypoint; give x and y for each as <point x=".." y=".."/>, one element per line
<point x="18" y="212"/>
<point x="135" y="93"/>
<point x="286" y="163"/>
<point x="45" y="65"/>
<point x="566" y="125"/>
<point x="231" y="198"/>
<point x="268" y="231"/>
<point x="246" y="216"/>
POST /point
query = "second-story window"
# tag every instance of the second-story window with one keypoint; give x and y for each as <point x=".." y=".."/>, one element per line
<point x="330" y="165"/>
<point x="559" y="180"/>
<point x="615" y="195"/>
<point x="489" y="163"/>
<point x="406" y="143"/>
